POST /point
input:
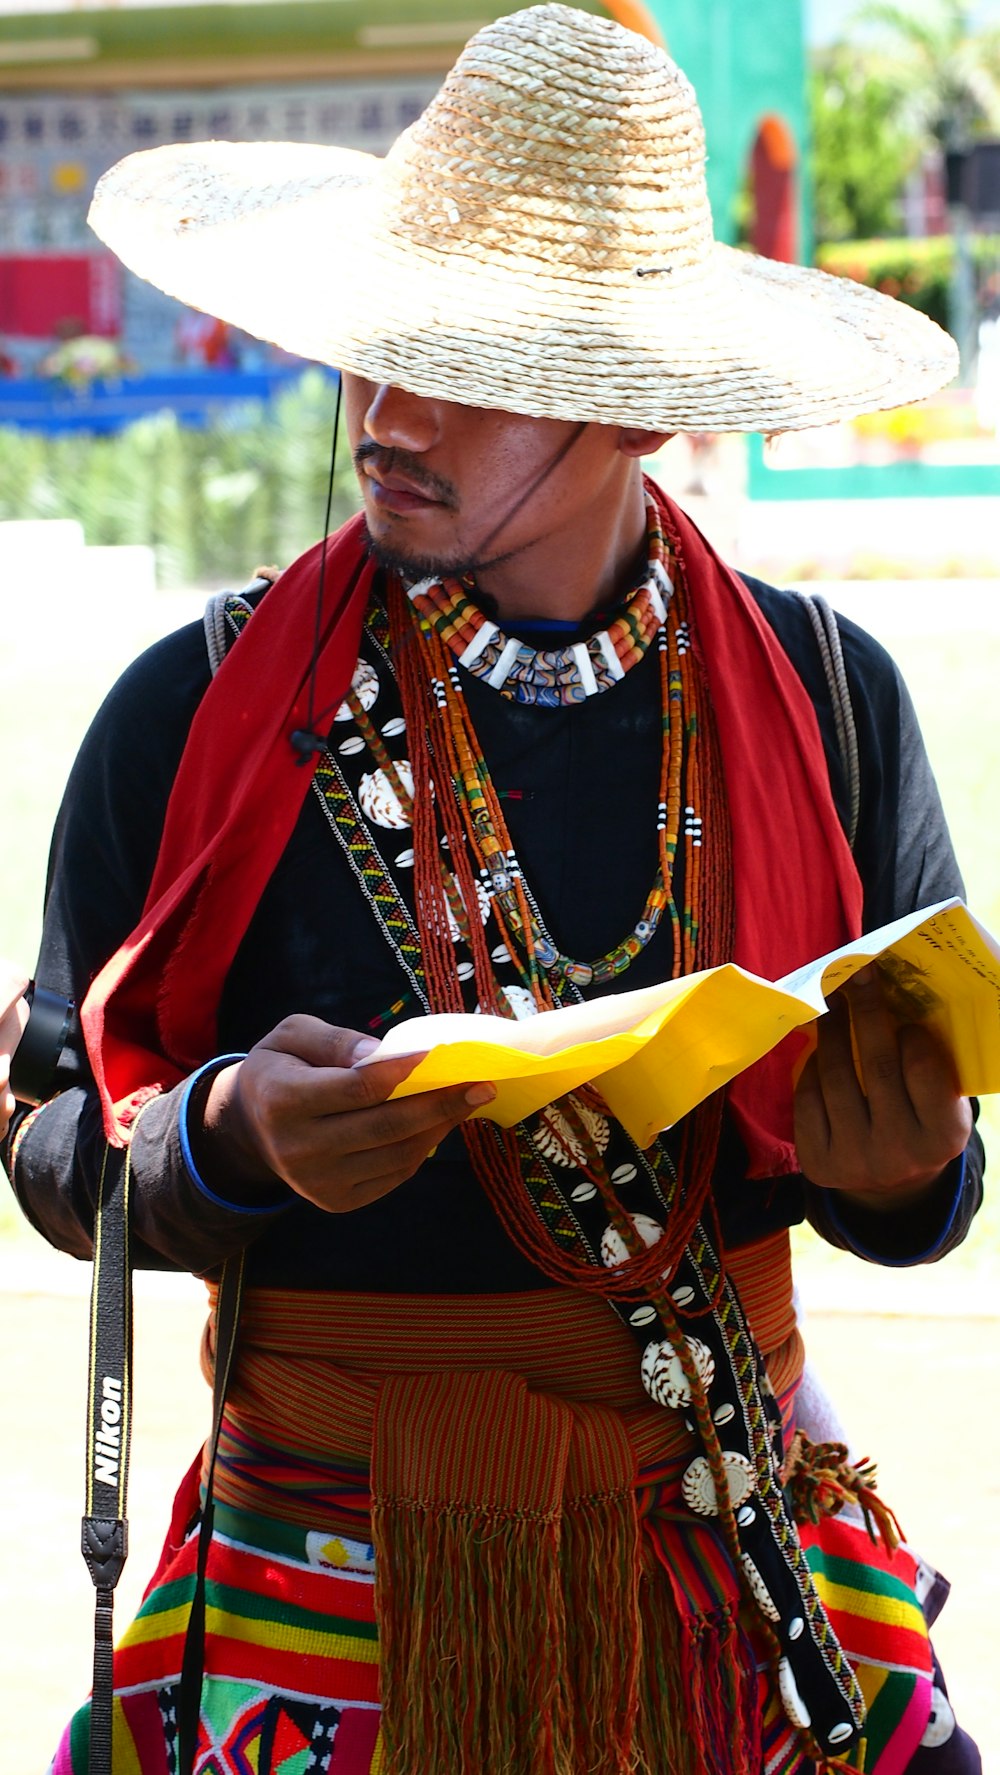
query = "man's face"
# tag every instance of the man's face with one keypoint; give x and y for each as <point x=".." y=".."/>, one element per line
<point x="450" y="488"/>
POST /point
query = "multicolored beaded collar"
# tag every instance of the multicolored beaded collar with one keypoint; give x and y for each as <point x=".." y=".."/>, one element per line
<point x="430" y="681"/>
<point x="556" y="675"/>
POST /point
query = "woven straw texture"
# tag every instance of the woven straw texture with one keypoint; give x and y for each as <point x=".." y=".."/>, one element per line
<point x="540" y="240"/>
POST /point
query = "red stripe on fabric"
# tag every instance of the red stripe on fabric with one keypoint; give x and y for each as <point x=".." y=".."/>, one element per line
<point x="880" y="1641"/>
<point x="150" y="1661"/>
<point x="297" y="1672"/>
<point x="354" y="1743"/>
<point x="324" y="1592"/>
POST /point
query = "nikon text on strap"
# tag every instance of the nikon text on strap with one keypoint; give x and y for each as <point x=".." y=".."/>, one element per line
<point x="104" y="1537"/>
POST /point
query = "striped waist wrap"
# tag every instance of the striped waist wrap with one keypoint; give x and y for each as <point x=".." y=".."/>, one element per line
<point x="537" y="1575"/>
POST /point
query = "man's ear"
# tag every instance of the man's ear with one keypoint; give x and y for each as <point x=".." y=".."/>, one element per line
<point x="633" y="440"/>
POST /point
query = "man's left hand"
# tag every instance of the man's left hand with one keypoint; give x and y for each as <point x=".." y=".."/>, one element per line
<point x="882" y="1139"/>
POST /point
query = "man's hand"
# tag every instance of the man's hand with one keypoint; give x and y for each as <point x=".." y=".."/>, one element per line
<point x="885" y="1142"/>
<point x="13" y="1017"/>
<point x="300" y="1109"/>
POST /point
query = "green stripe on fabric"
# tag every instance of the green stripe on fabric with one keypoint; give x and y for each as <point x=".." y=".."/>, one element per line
<point x="246" y="1605"/>
<point x="886" y="1713"/>
<point x="852" y="1575"/>
<point x="176" y="1594"/>
<point x="79" y="1740"/>
<point x="265" y="1534"/>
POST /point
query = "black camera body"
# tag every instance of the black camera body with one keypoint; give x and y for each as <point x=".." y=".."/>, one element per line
<point x="36" y="1058"/>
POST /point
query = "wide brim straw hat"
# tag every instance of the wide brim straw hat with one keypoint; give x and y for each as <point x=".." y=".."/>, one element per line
<point x="540" y="241"/>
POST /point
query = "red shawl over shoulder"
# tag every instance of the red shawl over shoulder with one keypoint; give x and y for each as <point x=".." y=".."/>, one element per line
<point x="150" y="1016"/>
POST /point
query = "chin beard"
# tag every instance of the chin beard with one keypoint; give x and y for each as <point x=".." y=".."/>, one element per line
<point x="411" y="566"/>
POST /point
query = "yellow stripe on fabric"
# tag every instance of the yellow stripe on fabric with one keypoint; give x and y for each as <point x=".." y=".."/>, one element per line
<point x="126" y="1756"/>
<point x="872" y="1678"/>
<point x="147" y="1629"/>
<point x="308" y="1643"/>
<point x="870" y="1605"/>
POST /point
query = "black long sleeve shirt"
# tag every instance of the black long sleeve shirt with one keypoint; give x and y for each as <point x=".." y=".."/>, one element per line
<point x="579" y="784"/>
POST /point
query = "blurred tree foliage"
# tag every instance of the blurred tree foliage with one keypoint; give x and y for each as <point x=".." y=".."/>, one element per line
<point x="914" y="78"/>
<point x="862" y="153"/>
<point x="212" y="504"/>
<point x="948" y="73"/>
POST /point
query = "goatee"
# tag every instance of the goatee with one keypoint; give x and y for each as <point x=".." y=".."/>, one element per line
<point x="412" y="566"/>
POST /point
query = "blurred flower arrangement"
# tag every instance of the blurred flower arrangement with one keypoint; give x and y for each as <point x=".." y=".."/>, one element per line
<point x="84" y="359"/>
<point x="952" y="417"/>
<point x="917" y="271"/>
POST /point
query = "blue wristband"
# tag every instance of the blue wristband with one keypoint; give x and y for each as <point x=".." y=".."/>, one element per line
<point x="213" y="1066"/>
<point x="900" y="1263"/>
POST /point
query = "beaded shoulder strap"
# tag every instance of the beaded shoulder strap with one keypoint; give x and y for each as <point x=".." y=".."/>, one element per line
<point x="227" y="612"/>
<point x="824" y="626"/>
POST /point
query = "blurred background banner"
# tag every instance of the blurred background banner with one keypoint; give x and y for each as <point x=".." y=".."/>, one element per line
<point x="864" y="138"/>
<point x="82" y="85"/>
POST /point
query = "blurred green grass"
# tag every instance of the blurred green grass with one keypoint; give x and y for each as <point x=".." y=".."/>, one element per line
<point x="49" y="691"/>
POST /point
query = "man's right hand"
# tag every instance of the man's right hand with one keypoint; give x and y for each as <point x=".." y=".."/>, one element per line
<point x="301" y="1109"/>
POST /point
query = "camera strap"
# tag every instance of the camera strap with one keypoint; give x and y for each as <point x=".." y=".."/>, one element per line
<point x="104" y="1536"/>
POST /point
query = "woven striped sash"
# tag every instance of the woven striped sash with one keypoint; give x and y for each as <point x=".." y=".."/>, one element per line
<point x="508" y="1462"/>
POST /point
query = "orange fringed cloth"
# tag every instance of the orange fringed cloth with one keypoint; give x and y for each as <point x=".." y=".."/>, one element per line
<point x="537" y="1578"/>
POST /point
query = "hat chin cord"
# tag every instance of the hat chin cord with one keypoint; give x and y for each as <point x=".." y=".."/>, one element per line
<point x="306" y="741"/>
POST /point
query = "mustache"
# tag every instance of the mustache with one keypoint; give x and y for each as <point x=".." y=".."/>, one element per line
<point x="424" y="479"/>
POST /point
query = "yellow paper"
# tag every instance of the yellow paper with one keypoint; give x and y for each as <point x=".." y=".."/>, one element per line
<point x="656" y="1053"/>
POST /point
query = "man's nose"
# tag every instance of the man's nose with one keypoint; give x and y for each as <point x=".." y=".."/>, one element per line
<point x="401" y="421"/>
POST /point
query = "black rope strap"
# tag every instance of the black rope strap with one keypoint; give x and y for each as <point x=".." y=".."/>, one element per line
<point x="227" y="1315"/>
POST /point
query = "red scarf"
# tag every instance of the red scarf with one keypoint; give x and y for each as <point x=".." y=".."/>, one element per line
<point x="150" y="1016"/>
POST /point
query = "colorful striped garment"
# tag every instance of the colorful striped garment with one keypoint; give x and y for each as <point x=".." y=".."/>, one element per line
<point x="291" y="1681"/>
<point x="300" y="1640"/>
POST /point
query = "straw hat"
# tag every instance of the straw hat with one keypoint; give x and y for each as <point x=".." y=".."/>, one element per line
<point x="539" y="240"/>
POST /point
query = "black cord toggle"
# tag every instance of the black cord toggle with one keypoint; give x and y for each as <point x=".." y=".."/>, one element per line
<point x="306" y="744"/>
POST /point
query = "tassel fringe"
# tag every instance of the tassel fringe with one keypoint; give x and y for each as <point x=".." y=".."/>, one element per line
<point x="822" y="1478"/>
<point x="523" y="1645"/>
<point x="469" y="1636"/>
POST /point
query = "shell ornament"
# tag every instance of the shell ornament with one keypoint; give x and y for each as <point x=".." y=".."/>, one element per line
<point x="521" y="1002"/>
<point x="759" y="1590"/>
<point x="791" y="1700"/>
<point x="698" y="1486"/>
<point x="613" y="1248"/>
<point x="557" y="1140"/>
<point x="482" y="899"/>
<point x="365" y="687"/>
<point x="663" y="1375"/>
<point x="378" y="799"/>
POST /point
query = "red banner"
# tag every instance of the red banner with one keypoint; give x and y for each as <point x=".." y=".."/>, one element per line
<point x="41" y="294"/>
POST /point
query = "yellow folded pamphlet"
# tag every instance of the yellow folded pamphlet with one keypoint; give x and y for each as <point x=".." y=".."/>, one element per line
<point x="657" y="1052"/>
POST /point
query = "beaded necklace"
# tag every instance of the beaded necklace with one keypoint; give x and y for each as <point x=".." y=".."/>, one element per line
<point x="557" y="675"/>
<point x="469" y="823"/>
<point x="445" y="618"/>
